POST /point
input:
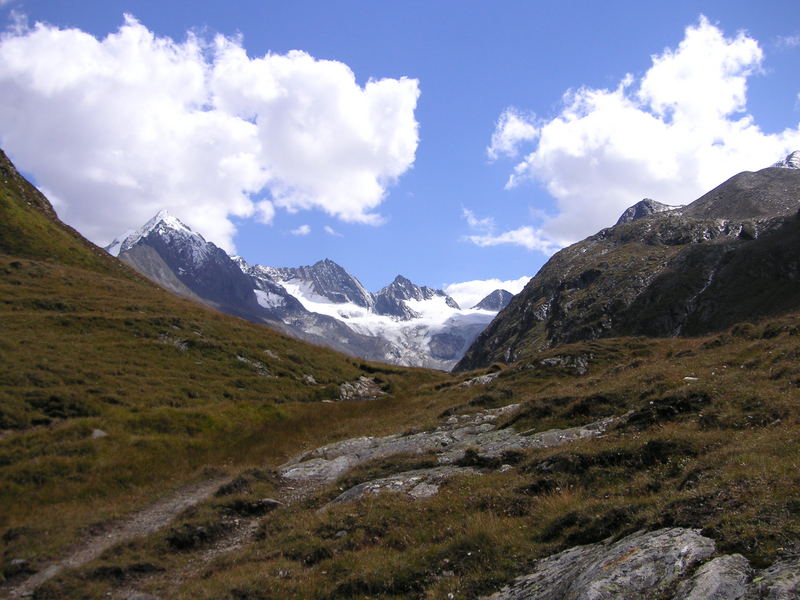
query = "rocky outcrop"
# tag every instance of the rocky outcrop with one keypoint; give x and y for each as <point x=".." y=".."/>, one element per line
<point x="724" y="578"/>
<point x="476" y="435"/>
<point x="638" y="567"/>
<point x="669" y="563"/>
<point x="480" y="380"/>
<point x="363" y="388"/>
<point x="496" y="444"/>
<point x="727" y="257"/>
<point x="643" y="208"/>
<point x="327" y="463"/>
<point x="418" y="484"/>
<point x="496" y="301"/>
<point x="781" y="581"/>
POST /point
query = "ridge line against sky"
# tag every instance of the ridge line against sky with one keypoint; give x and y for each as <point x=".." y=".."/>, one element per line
<point x="450" y="142"/>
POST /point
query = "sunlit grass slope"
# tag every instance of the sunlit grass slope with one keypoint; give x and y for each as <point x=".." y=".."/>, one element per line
<point x="718" y="452"/>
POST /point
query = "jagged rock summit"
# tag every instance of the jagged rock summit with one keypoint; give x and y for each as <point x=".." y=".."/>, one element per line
<point x="495" y="301"/>
<point x="643" y="208"/>
<point x="728" y="256"/>
<point x="393" y="299"/>
<point x="164" y="224"/>
<point x="169" y="252"/>
<point x="325" y="279"/>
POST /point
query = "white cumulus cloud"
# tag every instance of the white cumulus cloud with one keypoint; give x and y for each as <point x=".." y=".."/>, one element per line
<point x="673" y="134"/>
<point x="302" y="230"/>
<point x="469" y="293"/>
<point x="120" y="127"/>
<point x="485" y="234"/>
<point x="513" y="129"/>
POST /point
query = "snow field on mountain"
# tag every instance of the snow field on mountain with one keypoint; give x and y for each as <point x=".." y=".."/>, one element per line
<point x="435" y="316"/>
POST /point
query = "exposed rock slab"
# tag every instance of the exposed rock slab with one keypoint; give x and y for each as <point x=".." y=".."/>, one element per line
<point x="480" y="380"/>
<point x="657" y="564"/>
<point x="363" y="388"/>
<point x="327" y="463"/>
<point x="637" y="567"/>
<point x="724" y="578"/>
<point x="492" y="444"/>
<point x="781" y="581"/>
<point x="421" y="483"/>
<point x="449" y="442"/>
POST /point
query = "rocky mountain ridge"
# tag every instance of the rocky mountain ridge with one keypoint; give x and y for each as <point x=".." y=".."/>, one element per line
<point x="402" y="324"/>
<point x="660" y="271"/>
<point x="393" y="299"/>
<point x="497" y="300"/>
<point x="325" y="279"/>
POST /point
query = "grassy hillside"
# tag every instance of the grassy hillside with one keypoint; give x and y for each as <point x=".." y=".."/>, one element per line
<point x="716" y="452"/>
<point x="87" y="344"/>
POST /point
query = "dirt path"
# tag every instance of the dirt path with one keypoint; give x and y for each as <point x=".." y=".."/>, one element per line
<point x="242" y="531"/>
<point x="154" y="517"/>
<point x="316" y="470"/>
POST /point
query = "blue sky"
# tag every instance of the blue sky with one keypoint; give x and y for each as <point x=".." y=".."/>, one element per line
<point x="432" y="203"/>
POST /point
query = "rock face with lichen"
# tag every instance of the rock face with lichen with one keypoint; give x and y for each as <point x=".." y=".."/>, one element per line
<point x="674" y="564"/>
<point x="661" y="271"/>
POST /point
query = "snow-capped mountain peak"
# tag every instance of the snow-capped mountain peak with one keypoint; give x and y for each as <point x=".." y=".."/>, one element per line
<point x="395" y="298"/>
<point x="240" y="262"/>
<point x="792" y="161"/>
<point x="325" y="280"/>
<point x="164" y="224"/>
<point x="184" y="250"/>
<point x="114" y="247"/>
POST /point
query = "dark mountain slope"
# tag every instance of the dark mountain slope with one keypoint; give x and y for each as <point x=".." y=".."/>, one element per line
<point x="207" y="270"/>
<point x="750" y="195"/>
<point x="497" y="300"/>
<point x="726" y="257"/>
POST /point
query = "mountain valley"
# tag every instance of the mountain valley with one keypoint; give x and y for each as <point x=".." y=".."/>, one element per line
<point x="627" y="427"/>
